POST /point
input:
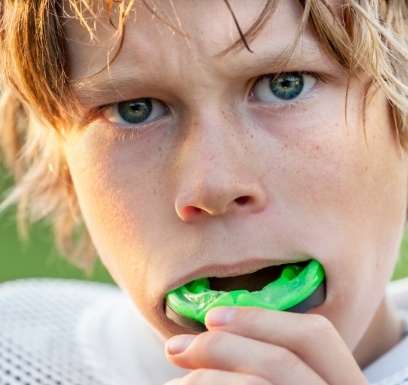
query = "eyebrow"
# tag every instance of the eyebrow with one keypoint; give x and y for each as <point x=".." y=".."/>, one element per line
<point x="121" y="81"/>
<point x="287" y="59"/>
<point x="95" y="88"/>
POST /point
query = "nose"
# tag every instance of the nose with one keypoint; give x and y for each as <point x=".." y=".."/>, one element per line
<point x="218" y="175"/>
<point x="215" y="199"/>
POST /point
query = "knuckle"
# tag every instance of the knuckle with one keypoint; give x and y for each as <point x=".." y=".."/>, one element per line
<point x="211" y="346"/>
<point x="286" y="361"/>
<point x="319" y="324"/>
<point x="313" y="325"/>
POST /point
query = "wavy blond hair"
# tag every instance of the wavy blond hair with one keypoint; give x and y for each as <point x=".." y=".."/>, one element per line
<point x="37" y="104"/>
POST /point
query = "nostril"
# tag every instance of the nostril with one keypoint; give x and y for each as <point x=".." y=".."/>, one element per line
<point x="192" y="210"/>
<point x="242" y="200"/>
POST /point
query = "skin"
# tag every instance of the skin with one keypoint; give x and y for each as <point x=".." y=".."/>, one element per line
<point x="222" y="183"/>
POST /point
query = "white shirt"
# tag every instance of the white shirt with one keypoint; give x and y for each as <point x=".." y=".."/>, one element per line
<point x="392" y="367"/>
<point x="63" y="332"/>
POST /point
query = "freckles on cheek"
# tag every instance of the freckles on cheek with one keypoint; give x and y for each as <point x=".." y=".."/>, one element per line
<point x="120" y="238"/>
<point x="348" y="179"/>
<point x="119" y="195"/>
<point x="100" y="187"/>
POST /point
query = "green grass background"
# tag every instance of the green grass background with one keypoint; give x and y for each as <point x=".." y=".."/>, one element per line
<point x="37" y="256"/>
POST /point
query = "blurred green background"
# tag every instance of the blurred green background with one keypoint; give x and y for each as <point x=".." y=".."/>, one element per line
<point x="37" y="256"/>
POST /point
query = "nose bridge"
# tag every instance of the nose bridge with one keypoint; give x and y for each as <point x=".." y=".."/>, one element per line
<point x="215" y="176"/>
<point x="212" y="150"/>
<point x="214" y="147"/>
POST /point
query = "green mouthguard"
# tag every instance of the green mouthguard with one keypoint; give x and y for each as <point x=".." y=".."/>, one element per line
<point x="295" y="284"/>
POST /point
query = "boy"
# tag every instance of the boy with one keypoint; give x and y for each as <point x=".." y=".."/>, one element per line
<point x="214" y="140"/>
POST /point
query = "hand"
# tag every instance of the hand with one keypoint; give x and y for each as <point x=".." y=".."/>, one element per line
<point x="262" y="347"/>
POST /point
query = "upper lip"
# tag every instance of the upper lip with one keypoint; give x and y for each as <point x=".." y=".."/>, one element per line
<point x="231" y="270"/>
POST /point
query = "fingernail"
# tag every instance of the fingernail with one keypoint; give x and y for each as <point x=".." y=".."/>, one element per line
<point x="219" y="316"/>
<point x="178" y="344"/>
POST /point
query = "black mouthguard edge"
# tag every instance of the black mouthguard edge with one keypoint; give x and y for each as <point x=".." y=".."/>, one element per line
<point x="314" y="300"/>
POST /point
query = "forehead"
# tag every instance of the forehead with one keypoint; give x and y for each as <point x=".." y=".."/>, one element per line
<point x="179" y="39"/>
<point x="204" y="27"/>
<point x="183" y="18"/>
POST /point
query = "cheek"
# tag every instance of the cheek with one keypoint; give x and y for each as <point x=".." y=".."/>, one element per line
<point x="115" y="194"/>
<point x="348" y="180"/>
<point x="361" y="205"/>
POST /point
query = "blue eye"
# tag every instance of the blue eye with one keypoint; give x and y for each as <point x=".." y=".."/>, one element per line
<point x="284" y="88"/>
<point x="136" y="111"/>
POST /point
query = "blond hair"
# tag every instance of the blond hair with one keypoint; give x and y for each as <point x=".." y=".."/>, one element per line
<point x="37" y="104"/>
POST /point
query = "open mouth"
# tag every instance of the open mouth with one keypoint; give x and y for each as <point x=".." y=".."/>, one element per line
<point x="294" y="287"/>
<point x="252" y="282"/>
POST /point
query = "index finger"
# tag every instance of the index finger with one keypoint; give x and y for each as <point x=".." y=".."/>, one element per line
<point x="311" y="337"/>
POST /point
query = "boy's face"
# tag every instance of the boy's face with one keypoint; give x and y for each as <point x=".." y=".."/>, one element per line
<point x="228" y="172"/>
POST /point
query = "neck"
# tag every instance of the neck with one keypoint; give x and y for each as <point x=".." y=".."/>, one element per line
<point x="384" y="332"/>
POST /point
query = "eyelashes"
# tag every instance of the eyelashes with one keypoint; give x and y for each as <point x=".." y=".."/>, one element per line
<point x="135" y="112"/>
<point x="272" y="91"/>
<point x="283" y="89"/>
